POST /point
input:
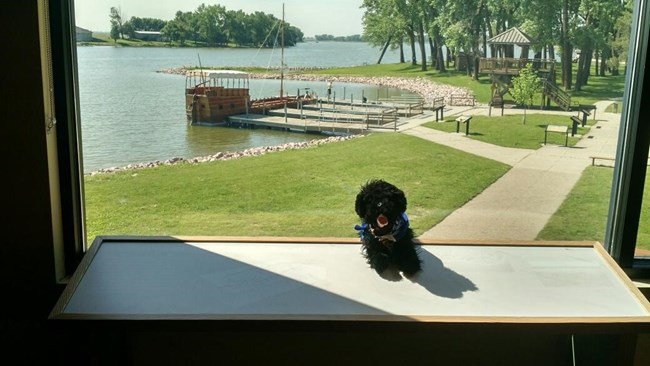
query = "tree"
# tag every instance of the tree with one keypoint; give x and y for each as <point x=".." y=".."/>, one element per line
<point x="595" y="22"/>
<point x="525" y="86"/>
<point x="210" y="22"/>
<point x="383" y="26"/>
<point x="620" y="40"/>
<point x="461" y="25"/>
<point x="117" y="23"/>
<point x="180" y="28"/>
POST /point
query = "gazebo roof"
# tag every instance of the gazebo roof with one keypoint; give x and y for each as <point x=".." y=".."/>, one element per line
<point x="512" y="36"/>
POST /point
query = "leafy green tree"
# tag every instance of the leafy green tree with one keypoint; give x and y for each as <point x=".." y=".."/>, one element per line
<point x="620" y="38"/>
<point x="262" y="26"/>
<point x="236" y="27"/>
<point x="116" y="23"/>
<point x="595" y="24"/>
<point x="181" y="28"/>
<point x="540" y="19"/>
<point x="461" y="25"/>
<point x="383" y="25"/>
<point x="210" y="22"/>
<point x="525" y="86"/>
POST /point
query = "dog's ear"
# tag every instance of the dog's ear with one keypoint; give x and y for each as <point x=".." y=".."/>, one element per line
<point x="400" y="200"/>
<point x="360" y="205"/>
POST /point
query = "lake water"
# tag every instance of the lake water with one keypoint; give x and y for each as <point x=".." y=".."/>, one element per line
<point x="132" y="113"/>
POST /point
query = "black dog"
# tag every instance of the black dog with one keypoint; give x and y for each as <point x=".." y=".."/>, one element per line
<point x="385" y="234"/>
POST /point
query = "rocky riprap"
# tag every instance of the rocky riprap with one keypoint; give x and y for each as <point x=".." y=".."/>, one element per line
<point x="426" y="88"/>
<point x="227" y="155"/>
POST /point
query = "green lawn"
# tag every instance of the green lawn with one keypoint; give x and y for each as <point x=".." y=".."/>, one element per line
<point x="307" y="192"/>
<point x="510" y="131"/>
<point x="583" y="215"/>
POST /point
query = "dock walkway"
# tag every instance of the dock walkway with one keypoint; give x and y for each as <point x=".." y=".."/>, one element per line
<point x="297" y="124"/>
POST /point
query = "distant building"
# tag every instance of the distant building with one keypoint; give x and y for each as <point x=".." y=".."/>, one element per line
<point x="84" y="35"/>
<point x="148" y="35"/>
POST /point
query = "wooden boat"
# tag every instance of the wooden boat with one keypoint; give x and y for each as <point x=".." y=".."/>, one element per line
<point x="211" y="96"/>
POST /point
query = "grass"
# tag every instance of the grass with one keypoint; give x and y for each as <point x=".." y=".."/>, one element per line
<point x="583" y="215"/>
<point x="510" y="131"/>
<point x="306" y="192"/>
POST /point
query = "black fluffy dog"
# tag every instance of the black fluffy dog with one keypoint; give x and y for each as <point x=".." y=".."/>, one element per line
<point x="385" y="234"/>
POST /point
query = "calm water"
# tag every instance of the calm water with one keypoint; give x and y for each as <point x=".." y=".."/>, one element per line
<point x="131" y="113"/>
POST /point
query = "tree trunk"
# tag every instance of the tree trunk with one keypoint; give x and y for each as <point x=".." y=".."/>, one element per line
<point x="551" y="52"/>
<point x="411" y="35"/>
<point x="402" y="59"/>
<point x="604" y="55"/>
<point x="423" y="49"/>
<point x="383" y="50"/>
<point x="433" y="52"/>
<point x="567" y="48"/>
<point x="586" y="70"/>
<point x="441" y="56"/>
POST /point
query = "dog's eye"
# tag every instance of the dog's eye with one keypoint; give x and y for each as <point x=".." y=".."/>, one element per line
<point x="379" y="204"/>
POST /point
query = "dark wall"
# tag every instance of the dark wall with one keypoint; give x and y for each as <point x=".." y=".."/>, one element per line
<point x="27" y="276"/>
<point x="26" y="257"/>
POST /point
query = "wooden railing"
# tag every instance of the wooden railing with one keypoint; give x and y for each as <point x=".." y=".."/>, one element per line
<point x="557" y="95"/>
<point x="513" y="65"/>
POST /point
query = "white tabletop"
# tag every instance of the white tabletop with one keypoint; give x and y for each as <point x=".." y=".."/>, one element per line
<point x="223" y="280"/>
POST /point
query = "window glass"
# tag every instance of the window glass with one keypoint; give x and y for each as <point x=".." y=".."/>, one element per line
<point x="159" y="159"/>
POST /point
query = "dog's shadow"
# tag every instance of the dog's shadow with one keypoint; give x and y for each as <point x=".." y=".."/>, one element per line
<point x="436" y="278"/>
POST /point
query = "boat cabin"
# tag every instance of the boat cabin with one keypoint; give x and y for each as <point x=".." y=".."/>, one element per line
<point x="213" y="95"/>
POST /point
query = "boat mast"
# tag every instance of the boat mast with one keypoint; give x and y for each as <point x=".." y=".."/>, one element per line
<point x="282" y="54"/>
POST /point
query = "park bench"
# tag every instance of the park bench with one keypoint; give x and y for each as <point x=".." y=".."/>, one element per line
<point x="557" y="129"/>
<point x="438" y="106"/>
<point x="594" y="158"/>
<point x="465" y="120"/>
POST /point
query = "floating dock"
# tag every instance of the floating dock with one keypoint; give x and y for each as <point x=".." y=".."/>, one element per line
<point x="296" y="124"/>
<point x="325" y="117"/>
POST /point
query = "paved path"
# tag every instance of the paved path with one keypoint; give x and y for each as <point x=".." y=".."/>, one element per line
<point x="518" y="205"/>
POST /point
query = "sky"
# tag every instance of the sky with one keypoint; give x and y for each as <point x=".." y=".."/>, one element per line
<point x="335" y="17"/>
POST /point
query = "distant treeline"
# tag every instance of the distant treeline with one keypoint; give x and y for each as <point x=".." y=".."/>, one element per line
<point x="329" y="37"/>
<point x="212" y="25"/>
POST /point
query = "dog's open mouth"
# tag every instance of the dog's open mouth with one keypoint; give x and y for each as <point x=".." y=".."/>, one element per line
<point x="382" y="221"/>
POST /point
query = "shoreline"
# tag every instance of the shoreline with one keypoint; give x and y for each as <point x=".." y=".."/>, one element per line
<point x="224" y="155"/>
<point x="427" y="89"/>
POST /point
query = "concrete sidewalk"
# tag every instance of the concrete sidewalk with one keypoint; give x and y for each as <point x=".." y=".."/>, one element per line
<point x="519" y="204"/>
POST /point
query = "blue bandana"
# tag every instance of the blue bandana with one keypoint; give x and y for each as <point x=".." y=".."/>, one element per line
<point x="399" y="229"/>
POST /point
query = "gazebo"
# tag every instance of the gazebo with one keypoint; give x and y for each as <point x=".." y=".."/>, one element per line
<point x="503" y="44"/>
<point x="503" y="66"/>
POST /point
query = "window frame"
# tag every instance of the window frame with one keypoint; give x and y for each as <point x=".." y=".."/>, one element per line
<point x="632" y="153"/>
<point x="628" y="180"/>
<point x="66" y="106"/>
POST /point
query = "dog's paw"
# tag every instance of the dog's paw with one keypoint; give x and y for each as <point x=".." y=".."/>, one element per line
<point x="390" y="274"/>
<point x="413" y="277"/>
